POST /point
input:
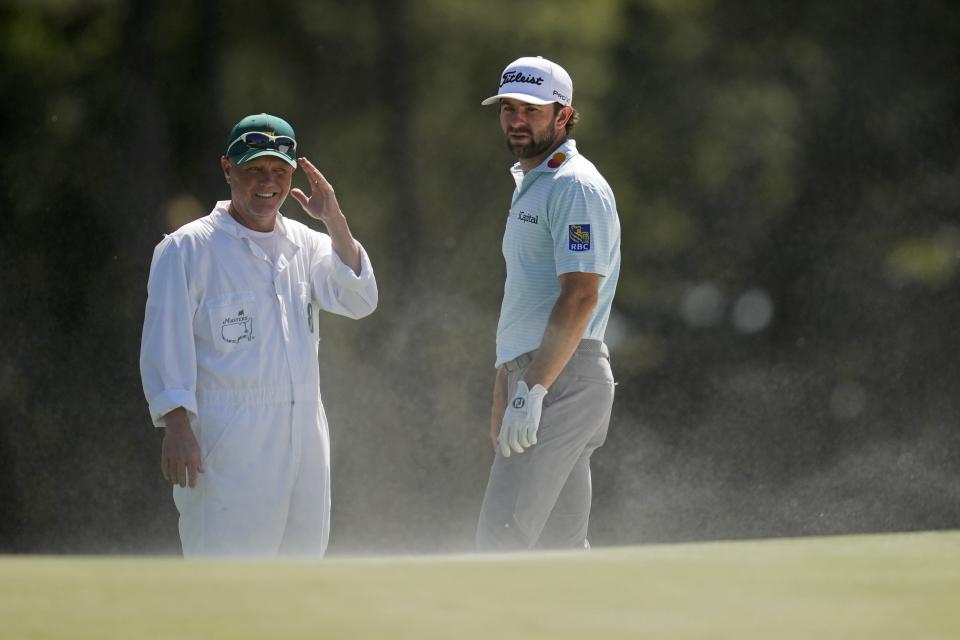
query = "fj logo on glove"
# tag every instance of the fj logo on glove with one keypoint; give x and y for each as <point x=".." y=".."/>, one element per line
<point x="518" y="403"/>
<point x="237" y="328"/>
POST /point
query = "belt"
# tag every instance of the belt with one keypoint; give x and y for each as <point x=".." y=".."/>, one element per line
<point x="519" y="362"/>
<point x="587" y="346"/>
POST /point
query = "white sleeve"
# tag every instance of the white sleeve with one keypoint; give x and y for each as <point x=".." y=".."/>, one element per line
<point x="168" y="360"/>
<point x="339" y="290"/>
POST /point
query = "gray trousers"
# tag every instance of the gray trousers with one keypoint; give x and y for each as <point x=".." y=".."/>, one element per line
<point x="541" y="498"/>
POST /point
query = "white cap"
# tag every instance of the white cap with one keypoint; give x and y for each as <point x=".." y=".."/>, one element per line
<point x="534" y="80"/>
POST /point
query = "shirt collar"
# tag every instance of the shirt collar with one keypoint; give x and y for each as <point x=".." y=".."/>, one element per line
<point x="223" y="219"/>
<point x="552" y="163"/>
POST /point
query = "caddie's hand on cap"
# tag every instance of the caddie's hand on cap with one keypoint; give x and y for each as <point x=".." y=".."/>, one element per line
<point x="322" y="203"/>
<point x="522" y="419"/>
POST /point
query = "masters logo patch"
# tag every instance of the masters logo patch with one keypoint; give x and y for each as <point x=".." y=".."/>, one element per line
<point x="579" y="237"/>
<point x="237" y="327"/>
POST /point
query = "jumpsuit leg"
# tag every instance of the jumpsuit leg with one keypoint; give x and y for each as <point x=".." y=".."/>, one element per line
<point x="307" y="529"/>
<point x="239" y="507"/>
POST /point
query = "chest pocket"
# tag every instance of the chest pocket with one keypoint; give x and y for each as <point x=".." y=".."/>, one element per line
<point x="233" y="320"/>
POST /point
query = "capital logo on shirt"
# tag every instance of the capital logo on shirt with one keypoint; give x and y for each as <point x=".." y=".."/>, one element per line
<point x="237" y="328"/>
<point x="579" y="237"/>
<point x="523" y="216"/>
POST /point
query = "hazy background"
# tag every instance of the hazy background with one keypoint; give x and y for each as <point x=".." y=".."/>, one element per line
<point x="784" y="334"/>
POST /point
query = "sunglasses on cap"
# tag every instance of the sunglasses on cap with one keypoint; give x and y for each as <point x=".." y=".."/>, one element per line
<point x="258" y="140"/>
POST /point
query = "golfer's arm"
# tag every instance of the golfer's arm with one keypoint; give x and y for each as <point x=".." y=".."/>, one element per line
<point x="568" y="320"/>
<point x="498" y="405"/>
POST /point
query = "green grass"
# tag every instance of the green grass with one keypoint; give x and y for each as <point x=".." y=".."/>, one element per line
<point x="876" y="587"/>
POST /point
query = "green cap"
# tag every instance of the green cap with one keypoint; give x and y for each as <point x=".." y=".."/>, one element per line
<point x="239" y="152"/>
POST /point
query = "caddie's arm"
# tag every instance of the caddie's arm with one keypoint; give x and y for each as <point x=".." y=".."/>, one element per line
<point x="180" y="458"/>
<point x="322" y="205"/>
<point x="168" y="362"/>
<point x="568" y="320"/>
<point x="499" y="405"/>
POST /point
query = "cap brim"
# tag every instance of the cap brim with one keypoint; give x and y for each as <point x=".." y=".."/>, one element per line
<point x="257" y="153"/>
<point x="522" y="97"/>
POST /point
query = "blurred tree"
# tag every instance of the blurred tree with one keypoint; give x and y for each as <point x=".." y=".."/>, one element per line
<point x="758" y="140"/>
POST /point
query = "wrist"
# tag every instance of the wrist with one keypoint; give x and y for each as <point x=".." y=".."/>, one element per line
<point x="176" y="421"/>
<point x="334" y="221"/>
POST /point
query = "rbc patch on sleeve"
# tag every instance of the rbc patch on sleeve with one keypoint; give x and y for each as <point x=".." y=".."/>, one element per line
<point x="579" y="237"/>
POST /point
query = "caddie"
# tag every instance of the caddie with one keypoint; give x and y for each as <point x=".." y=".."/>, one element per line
<point x="554" y="387"/>
<point x="229" y="351"/>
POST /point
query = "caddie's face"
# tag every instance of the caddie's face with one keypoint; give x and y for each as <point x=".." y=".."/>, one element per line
<point x="257" y="189"/>
<point x="531" y="129"/>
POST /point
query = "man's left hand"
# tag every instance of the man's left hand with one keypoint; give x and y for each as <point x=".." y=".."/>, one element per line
<point x="522" y="419"/>
<point x="322" y="203"/>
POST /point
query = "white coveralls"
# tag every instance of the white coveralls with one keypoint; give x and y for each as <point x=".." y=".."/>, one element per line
<point x="232" y="338"/>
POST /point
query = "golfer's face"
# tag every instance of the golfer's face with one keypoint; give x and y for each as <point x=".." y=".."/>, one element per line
<point x="530" y="129"/>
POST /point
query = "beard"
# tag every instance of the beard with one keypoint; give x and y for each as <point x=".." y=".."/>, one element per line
<point x="536" y="146"/>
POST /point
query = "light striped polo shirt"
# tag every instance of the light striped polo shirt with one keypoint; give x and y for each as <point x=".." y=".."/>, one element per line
<point x="563" y="219"/>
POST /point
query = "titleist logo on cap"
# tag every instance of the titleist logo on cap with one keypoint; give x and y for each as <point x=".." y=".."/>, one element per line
<point x="535" y="81"/>
<point x="518" y="76"/>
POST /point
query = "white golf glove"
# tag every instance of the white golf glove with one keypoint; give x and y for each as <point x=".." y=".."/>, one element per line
<point x="521" y="419"/>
